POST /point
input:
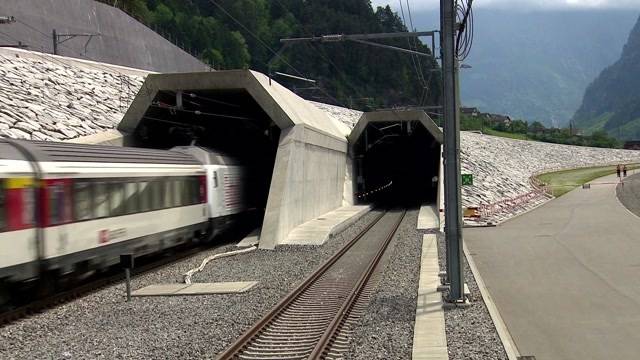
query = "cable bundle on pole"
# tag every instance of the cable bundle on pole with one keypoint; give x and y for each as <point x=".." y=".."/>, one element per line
<point x="464" y="41"/>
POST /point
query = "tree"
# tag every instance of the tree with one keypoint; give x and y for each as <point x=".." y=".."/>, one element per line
<point x="536" y="127"/>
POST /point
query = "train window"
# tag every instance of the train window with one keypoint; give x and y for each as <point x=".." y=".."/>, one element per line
<point x="28" y="205"/>
<point x="178" y="199"/>
<point x="131" y="195"/>
<point x="59" y="203"/>
<point x="116" y="199"/>
<point x="195" y="190"/>
<point x="82" y="200"/>
<point x="144" y="194"/>
<point x="185" y="193"/>
<point x="101" y="199"/>
<point x="156" y="195"/>
<point x="3" y="204"/>
<point x="167" y="187"/>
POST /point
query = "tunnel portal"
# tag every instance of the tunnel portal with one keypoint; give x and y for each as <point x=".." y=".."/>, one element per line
<point x="396" y="159"/>
<point x="227" y="121"/>
<point x="294" y="154"/>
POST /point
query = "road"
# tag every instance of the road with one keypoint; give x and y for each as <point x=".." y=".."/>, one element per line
<point x="566" y="276"/>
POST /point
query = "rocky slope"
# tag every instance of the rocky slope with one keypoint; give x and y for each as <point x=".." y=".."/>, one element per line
<point x="46" y="98"/>
<point x="612" y="102"/>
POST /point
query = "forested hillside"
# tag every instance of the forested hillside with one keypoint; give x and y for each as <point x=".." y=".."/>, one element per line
<point x="612" y="101"/>
<point x="232" y="34"/>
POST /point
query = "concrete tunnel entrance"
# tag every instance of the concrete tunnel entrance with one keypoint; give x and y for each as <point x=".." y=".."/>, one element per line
<point x="294" y="153"/>
<point x="396" y="158"/>
<point x="227" y="121"/>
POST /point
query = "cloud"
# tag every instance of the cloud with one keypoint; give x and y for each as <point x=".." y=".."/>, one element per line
<point x="525" y="4"/>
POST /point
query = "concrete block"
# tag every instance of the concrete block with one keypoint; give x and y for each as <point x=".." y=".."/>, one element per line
<point x="195" y="289"/>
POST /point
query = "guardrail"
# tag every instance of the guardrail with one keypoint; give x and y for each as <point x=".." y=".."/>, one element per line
<point x="509" y="204"/>
<point x="540" y="189"/>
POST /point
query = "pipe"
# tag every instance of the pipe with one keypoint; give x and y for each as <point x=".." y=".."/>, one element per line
<point x="187" y="276"/>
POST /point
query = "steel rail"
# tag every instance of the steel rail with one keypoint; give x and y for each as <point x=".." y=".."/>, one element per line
<point x="299" y="325"/>
<point x="320" y="350"/>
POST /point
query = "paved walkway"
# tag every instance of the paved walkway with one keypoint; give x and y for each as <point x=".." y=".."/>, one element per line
<point x="429" y="337"/>
<point x="428" y="217"/>
<point x="566" y="277"/>
<point x="318" y="230"/>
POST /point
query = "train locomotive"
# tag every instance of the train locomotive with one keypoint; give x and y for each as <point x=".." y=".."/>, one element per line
<point x="66" y="207"/>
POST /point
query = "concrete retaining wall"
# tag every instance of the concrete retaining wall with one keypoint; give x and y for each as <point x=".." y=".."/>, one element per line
<point x="122" y="40"/>
<point x="308" y="180"/>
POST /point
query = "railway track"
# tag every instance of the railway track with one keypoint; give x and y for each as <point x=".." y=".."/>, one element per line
<point x="316" y="319"/>
<point x="113" y="277"/>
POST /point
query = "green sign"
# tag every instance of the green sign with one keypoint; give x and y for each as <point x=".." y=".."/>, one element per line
<point x="467" y="179"/>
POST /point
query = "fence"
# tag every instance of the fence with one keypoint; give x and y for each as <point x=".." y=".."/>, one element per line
<point x="540" y="189"/>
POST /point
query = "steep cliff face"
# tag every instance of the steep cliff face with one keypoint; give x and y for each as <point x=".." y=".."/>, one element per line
<point x="119" y="39"/>
<point x="612" y="101"/>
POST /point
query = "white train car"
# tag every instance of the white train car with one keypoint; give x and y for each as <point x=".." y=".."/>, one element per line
<point x="97" y="202"/>
<point x="18" y="250"/>
<point x="225" y="187"/>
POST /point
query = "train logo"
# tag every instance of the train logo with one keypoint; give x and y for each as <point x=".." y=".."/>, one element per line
<point x="103" y="236"/>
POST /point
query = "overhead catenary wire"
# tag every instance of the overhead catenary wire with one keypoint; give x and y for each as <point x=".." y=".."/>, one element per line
<point x="411" y="45"/>
<point x="124" y="78"/>
<point x="266" y="46"/>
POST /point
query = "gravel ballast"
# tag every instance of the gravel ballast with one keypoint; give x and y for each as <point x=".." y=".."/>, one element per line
<point x="471" y="333"/>
<point x="386" y="331"/>
<point x="103" y="325"/>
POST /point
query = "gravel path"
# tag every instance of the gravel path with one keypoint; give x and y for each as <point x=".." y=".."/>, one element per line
<point x="470" y="331"/>
<point x="386" y="331"/>
<point x="103" y="326"/>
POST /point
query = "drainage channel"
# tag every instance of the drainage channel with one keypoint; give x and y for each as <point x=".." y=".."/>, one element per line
<point x="315" y="320"/>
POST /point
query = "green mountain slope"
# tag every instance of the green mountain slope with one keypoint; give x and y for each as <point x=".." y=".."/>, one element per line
<point x="612" y="101"/>
<point x="233" y="34"/>
<point x="536" y="65"/>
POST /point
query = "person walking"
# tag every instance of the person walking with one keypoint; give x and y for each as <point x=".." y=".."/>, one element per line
<point x="618" y="170"/>
<point x="624" y="170"/>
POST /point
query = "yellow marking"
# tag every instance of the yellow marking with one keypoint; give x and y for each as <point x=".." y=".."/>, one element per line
<point x="19" y="183"/>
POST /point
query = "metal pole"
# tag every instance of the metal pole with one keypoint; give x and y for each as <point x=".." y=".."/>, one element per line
<point x="127" y="274"/>
<point x="55" y="42"/>
<point x="453" y="209"/>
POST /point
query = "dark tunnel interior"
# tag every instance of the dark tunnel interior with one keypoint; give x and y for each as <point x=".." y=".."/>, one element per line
<point x="227" y="121"/>
<point x="395" y="164"/>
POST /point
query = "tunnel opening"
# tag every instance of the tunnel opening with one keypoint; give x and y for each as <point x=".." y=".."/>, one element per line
<point x="396" y="164"/>
<point x="228" y="122"/>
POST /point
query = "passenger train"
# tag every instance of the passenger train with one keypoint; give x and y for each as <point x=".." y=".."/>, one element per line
<point x="65" y="207"/>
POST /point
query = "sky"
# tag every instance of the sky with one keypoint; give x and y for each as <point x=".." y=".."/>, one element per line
<point x="525" y="4"/>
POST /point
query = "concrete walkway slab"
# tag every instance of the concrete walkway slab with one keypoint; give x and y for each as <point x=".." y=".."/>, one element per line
<point x="565" y="276"/>
<point x="195" y="289"/>
<point x="250" y="240"/>
<point x="428" y="217"/>
<point x="320" y="229"/>
<point x="429" y="336"/>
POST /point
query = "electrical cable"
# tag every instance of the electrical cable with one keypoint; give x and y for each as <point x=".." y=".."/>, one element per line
<point x="266" y="46"/>
<point x="464" y="40"/>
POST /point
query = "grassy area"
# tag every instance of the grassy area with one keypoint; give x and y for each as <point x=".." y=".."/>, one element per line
<point x="489" y="131"/>
<point x="561" y="182"/>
